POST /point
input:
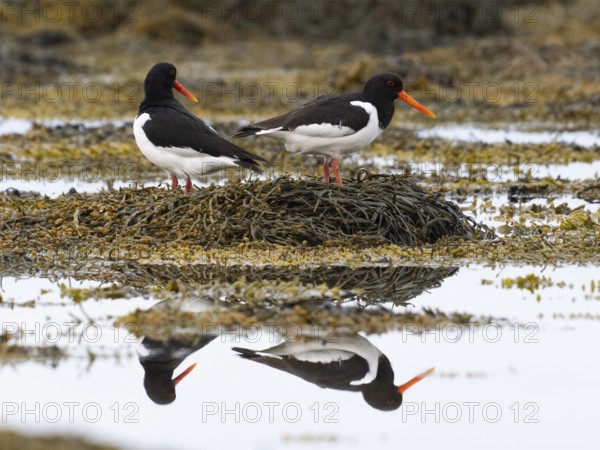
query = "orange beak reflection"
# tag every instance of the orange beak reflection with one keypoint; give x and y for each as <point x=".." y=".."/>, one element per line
<point x="183" y="374"/>
<point x="415" y="380"/>
<point x="177" y="85"/>
<point x="415" y="104"/>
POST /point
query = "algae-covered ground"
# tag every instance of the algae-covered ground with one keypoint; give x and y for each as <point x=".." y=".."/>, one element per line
<point x="531" y="66"/>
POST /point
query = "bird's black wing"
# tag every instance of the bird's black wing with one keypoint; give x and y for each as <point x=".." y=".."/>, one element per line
<point x="177" y="127"/>
<point x="339" y="115"/>
<point x="334" y="376"/>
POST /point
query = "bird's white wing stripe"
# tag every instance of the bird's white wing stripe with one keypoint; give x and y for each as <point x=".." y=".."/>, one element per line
<point x="368" y="107"/>
<point x="269" y="131"/>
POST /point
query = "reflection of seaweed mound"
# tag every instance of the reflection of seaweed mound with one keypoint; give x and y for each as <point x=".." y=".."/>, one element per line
<point x="308" y="299"/>
<point x="373" y="211"/>
<point x="369" y="284"/>
<point x="396" y="284"/>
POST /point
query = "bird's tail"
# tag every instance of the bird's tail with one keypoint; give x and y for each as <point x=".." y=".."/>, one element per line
<point x="249" y="164"/>
<point x="249" y="130"/>
<point x="246" y="352"/>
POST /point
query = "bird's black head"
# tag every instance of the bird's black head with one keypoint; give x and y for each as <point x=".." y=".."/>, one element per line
<point x="159" y="386"/>
<point x="382" y="394"/>
<point x="160" y="389"/>
<point x="160" y="81"/>
<point x="383" y="399"/>
<point x="388" y="86"/>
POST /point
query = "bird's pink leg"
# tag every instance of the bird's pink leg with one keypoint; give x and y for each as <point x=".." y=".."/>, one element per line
<point x="326" y="170"/>
<point x="174" y="182"/>
<point x="188" y="185"/>
<point x="335" y="163"/>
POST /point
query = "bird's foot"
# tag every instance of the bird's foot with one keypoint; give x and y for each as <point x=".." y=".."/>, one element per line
<point x="326" y="170"/>
<point x="174" y="182"/>
<point x="335" y="164"/>
<point x="188" y="185"/>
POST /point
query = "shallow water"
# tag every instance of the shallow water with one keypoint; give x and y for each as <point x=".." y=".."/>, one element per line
<point x="518" y="378"/>
<point x="13" y="125"/>
<point x="53" y="180"/>
<point x="511" y="134"/>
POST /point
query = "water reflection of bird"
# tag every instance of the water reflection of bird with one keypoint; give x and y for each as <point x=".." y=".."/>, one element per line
<point x="177" y="141"/>
<point x="334" y="126"/>
<point x="160" y="361"/>
<point x="346" y="362"/>
<point x="160" y="358"/>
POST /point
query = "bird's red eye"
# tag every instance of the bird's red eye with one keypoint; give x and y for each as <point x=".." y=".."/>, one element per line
<point x="172" y="71"/>
<point x="390" y="401"/>
<point x="391" y="83"/>
<point x="171" y="396"/>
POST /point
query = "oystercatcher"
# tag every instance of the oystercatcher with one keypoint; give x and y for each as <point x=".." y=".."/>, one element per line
<point x="349" y="363"/>
<point x="334" y="126"/>
<point x="174" y="139"/>
<point x="160" y="358"/>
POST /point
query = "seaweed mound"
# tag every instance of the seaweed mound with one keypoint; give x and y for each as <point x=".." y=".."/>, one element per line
<point x="371" y="211"/>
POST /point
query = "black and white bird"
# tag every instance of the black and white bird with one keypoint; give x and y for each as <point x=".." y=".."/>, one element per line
<point x="348" y="362"/>
<point x="334" y="126"/>
<point x="177" y="141"/>
<point x="161" y="357"/>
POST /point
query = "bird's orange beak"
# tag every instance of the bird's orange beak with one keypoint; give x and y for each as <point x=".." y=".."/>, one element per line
<point x="183" y="374"/>
<point x="415" y="380"/>
<point x="177" y="85"/>
<point x="415" y="104"/>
